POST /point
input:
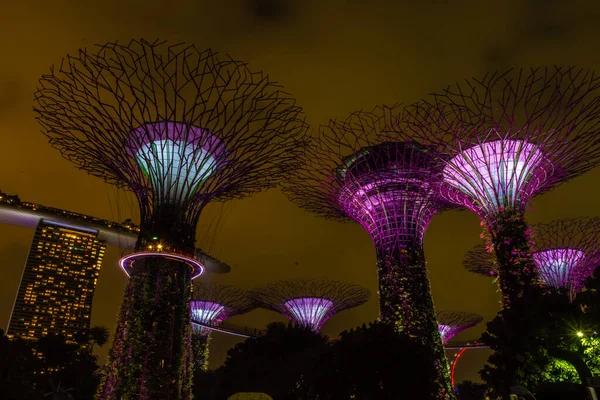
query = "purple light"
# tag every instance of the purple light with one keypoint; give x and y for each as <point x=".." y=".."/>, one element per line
<point x="451" y="323"/>
<point x="390" y="209"/>
<point x="447" y="332"/>
<point x="309" y="311"/>
<point x="206" y="312"/>
<point x="561" y="268"/>
<point x="126" y="262"/>
<point x="391" y="189"/>
<point x="176" y="157"/>
<point x="495" y="175"/>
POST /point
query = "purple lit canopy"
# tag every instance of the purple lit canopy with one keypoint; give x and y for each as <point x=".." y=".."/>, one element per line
<point x="510" y="136"/>
<point x="212" y="304"/>
<point x="310" y="302"/>
<point x="451" y="323"/>
<point x="309" y="311"/>
<point x="358" y="170"/>
<point x="566" y="252"/>
<point x="496" y="174"/>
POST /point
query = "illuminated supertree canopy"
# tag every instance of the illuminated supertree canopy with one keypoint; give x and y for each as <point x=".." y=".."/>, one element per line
<point x="211" y="304"/>
<point x="179" y="127"/>
<point x="361" y="169"/>
<point x="505" y="138"/>
<point x="451" y="323"/>
<point x="565" y="252"/>
<point x="310" y="302"/>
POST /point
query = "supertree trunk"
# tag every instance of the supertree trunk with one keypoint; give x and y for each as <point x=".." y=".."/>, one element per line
<point x="200" y="342"/>
<point x="406" y="302"/>
<point x="149" y="354"/>
<point x="509" y="236"/>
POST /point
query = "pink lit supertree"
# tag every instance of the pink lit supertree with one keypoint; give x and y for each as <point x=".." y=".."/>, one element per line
<point x="508" y="137"/>
<point x="310" y="302"/>
<point x="451" y="323"/>
<point x="212" y="304"/>
<point x="566" y="252"/>
<point x="361" y="169"/>
<point x="178" y="127"/>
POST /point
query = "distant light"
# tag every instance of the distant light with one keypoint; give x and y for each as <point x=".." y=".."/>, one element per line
<point x="579" y="334"/>
<point x="311" y="312"/>
<point x="155" y="238"/>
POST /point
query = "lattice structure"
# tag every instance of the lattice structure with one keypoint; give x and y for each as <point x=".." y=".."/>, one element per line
<point x="310" y="302"/>
<point x="212" y="304"/>
<point x="451" y="323"/>
<point x="566" y="252"/>
<point x="180" y="128"/>
<point x="479" y="261"/>
<point x="505" y="138"/>
<point x="363" y="169"/>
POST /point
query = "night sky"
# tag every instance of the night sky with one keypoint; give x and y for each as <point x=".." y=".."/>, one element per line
<point x="334" y="56"/>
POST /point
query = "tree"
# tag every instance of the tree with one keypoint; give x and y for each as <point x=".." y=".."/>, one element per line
<point x="525" y="337"/>
<point x="469" y="390"/>
<point x="376" y="362"/>
<point x="279" y="363"/>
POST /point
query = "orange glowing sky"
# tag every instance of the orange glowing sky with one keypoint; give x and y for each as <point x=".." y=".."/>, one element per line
<point x="334" y="56"/>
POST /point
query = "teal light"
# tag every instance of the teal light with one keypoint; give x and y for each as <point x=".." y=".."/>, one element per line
<point x="175" y="168"/>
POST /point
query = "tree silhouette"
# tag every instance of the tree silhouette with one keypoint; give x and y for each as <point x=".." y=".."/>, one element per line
<point x="376" y="362"/>
<point x="279" y="363"/>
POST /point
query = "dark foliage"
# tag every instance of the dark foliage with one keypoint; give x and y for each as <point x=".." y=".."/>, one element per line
<point x="278" y="363"/>
<point x="376" y="362"/>
<point x="50" y="367"/>
<point x="561" y="391"/>
<point x="537" y="326"/>
<point x="469" y="390"/>
<point x="291" y="362"/>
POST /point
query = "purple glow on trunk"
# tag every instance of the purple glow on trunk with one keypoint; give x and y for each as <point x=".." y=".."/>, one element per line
<point x="311" y="312"/>
<point x="495" y="175"/>
<point x="206" y="312"/>
<point x="562" y="268"/>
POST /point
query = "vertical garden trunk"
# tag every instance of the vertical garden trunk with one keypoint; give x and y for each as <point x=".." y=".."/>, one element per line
<point x="406" y="302"/>
<point x="149" y="358"/>
<point x="509" y="236"/>
<point x="200" y="342"/>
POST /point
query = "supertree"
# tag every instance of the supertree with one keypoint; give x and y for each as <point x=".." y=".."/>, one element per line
<point x="505" y="138"/>
<point x="212" y="304"/>
<point x="310" y="302"/>
<point x="179" y="127"/>
<point x="565" y="253"/>
<point x="360" y="169"/>
<point x="451" y="323"/>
